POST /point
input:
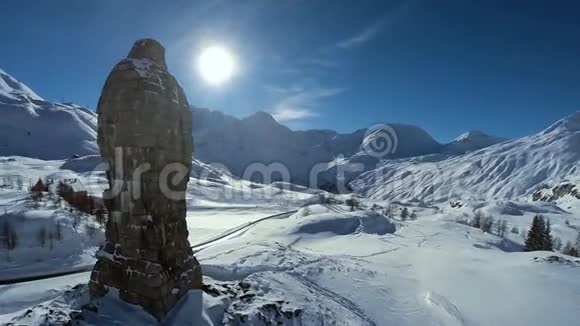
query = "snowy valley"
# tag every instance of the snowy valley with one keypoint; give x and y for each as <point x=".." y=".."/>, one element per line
<point x="400" y="249"/>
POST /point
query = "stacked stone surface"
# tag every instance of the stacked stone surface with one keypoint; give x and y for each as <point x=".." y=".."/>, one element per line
<point x="144" y="134"/>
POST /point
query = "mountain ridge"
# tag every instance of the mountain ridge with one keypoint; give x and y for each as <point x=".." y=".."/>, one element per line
<point x="511" y="169"/>
<point x="33" y="127"/>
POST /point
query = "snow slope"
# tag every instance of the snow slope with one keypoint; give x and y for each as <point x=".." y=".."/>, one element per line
<point x="471" y="141"/>
<point x="432" y="271"/>
<point x="74" y="249"/>
<point x="27" y="217"/>
<point x="508" y="170"/>
<point x="33" y="127"/>
<point x="209" y="189"/>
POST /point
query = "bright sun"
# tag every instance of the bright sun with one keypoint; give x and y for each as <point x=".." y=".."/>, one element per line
<point x="216" y="65"/>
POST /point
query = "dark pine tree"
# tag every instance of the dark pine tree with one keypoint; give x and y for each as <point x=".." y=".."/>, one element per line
<point x="477" y="219"/>
<point x="404" y="214"/>
<point x="548" y="239"/>
<point x="570" y="250"/>
<point x="536" y="236"/>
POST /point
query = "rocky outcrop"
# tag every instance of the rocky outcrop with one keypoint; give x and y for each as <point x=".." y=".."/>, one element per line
<point x="144" y="134"/>
<point x="244" y="303"/>
<point x="545" y="193"/>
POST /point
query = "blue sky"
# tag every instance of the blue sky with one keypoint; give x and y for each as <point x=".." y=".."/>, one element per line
<point x="508" y="68"/>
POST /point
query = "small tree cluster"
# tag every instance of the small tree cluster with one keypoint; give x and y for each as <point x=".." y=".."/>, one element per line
<point x="404" y="214"/>
<point x="572" y="249"/>
<point x="43" y="235"/>
<point x="352" y="203"/>
<point x="480" y="221"/>
<point x="325" y="200"/>
<point x="9" y="237"/>
<point x="58" y="231"/>
<point x="539" y="236"/>
<point x="51" y="238"/>
<point x="501" y="228"/>
<point x="489" y="224"/>
<point x="477" y="219"/>
<point x="389" y="211"/>
<point x="80" y="200"/>
<point x="19" y="183"/>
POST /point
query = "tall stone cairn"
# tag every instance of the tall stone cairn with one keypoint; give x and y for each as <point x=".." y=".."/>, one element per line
<point x="144" y="134"/>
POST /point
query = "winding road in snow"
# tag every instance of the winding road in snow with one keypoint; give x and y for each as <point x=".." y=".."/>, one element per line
<point x="196" y="248"/>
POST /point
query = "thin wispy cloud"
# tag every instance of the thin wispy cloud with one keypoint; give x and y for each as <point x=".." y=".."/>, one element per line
<point x="290" y="114"/>
<point x="298" y="103"/>
<point x="362" y="37"/>
<point x="368" y="33"/>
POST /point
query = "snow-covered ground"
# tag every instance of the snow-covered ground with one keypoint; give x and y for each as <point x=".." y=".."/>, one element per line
<point x="339" y="267"/>
<point x="320" y="265"/>
<point x="50" y="237"/>
<point x="220" y="201"/>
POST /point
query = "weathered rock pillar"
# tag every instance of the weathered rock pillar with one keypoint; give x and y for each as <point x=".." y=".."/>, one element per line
<point x="144" y="135"/>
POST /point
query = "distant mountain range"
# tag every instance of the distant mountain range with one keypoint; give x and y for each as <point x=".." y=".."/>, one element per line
<point x="474" y="163"/>
<point x="510" y="169"/>
<point x="31" y="126"/>
<point x="237" y="143"/>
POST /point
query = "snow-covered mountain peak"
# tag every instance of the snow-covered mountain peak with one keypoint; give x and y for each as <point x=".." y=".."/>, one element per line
<point x="397" y="140"/>
<point x="570" y="123"/>
<point x="33" y="127"/>
<point x="262" y="118"/>
<point x="510" y="169"/>
<point x="471" y="141"/>
<point x="12" y="89"/>
<point x="470" y="135"/>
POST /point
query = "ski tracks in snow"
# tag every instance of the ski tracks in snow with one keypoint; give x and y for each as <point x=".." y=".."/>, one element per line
<point x="445" y="309"/>
<point x="335" y="297"/>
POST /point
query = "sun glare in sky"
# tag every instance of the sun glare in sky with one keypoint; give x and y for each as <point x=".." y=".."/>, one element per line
<point x="216" y="65"/>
